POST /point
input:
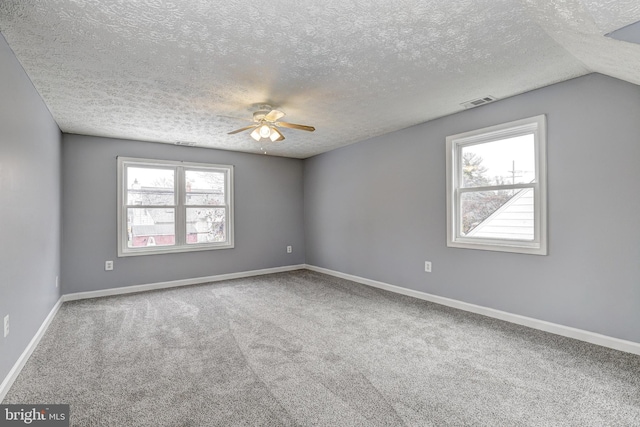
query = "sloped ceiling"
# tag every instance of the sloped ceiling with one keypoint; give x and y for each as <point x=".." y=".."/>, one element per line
<point x="167" y="71"/>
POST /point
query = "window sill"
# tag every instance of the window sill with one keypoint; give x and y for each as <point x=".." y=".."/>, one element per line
<point x="172" y="250"/>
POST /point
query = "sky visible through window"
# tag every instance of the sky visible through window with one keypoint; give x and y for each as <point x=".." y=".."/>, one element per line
<point x="163" y="178"/>
<point x="512" y="159"/>
<point x="147" y="177"/>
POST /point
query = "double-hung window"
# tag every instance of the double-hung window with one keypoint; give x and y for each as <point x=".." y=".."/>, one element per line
<point x="496" y="188"/>
<point x="167" y="206"/>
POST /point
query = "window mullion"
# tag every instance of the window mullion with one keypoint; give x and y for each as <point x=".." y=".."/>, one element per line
<point x="149" y="206"/>
<point x="180" y="215"/>
<point x="497" y="187"/>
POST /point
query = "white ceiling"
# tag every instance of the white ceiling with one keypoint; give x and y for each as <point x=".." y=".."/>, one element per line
<point x="171" y="70"/>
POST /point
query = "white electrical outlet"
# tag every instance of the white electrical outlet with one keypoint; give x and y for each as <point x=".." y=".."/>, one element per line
<point x="108" y="265"/>
<point x="6" y="325"/>
<point x="289" y="249"/>
<point x="427" y="266"/>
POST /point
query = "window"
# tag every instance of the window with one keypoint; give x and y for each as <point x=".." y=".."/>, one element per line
<point x="166" y="206"/>
<point x="496" y="188"/>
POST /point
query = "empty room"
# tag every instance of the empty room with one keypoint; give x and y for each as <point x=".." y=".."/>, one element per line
<point x="399" y="213"/>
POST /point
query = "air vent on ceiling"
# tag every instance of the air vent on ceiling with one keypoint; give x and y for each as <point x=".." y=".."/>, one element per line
<point x="186" y="144"/>
<point x="477" y="102"/>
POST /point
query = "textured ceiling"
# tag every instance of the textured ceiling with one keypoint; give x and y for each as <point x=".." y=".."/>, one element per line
<point x="167" y="71"/>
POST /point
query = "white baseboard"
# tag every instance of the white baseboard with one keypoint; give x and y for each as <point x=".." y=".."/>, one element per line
<point x="554" y="328"/>
<point x="177" y="283"/>
<point x="22" y="360"/>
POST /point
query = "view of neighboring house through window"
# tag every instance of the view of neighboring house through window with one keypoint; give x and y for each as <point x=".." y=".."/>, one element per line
<point x="167" y="206"/>
<point x="496" y="188"/>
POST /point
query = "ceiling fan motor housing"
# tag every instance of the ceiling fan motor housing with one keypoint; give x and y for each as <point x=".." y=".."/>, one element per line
<point x="259" y="115"/>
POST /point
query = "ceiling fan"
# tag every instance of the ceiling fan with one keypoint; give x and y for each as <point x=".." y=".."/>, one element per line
<point x="266" y="125"/>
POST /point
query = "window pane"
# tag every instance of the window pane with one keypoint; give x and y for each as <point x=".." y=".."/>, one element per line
<point x="149" y="186"/>
<point x="206" y="225"/>
<point x="506" y="214"/>
<point x="502" y="162"/>
<point x="151" y="227"/>
<point x="204" y="188"/>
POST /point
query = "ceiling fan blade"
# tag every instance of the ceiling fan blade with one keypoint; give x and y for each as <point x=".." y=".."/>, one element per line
<point x="274" y="115"/>
<point x="295" y="126"/>
<point x="243" y="129"/>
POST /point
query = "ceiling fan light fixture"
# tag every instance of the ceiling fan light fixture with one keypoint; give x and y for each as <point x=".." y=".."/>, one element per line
<point x="265" y="131"/>
<point x="275" y="135"/>
<point x="256" y="134"/>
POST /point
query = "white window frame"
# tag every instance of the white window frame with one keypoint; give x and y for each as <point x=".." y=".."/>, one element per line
<point x="179" y="205"/>
<point x="533" y="125"/>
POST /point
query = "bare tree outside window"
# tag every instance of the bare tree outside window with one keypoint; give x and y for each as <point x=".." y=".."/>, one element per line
<point x="478" y="206"/>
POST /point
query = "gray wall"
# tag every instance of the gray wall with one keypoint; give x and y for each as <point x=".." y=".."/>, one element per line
<point x="268" y="215"/>
<point x="376" y="209"/>
<point x="29" y="209"/>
